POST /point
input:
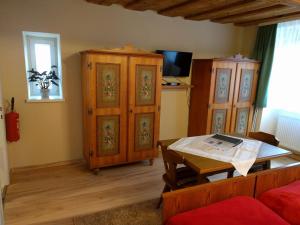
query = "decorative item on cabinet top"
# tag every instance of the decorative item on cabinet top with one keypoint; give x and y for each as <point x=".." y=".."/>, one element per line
<point x="121" y="105"/>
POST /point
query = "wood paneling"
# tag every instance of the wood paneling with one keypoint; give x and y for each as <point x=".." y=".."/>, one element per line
<point x="252" y="185"/>
<point x="239" y="12"/>
<point x="275" y="178"/>
<point x="202" y="195"/>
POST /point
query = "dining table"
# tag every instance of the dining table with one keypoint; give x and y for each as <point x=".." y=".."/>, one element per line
<point x="206" y="166"/>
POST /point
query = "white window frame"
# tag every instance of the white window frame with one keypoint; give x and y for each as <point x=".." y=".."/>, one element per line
<point x="29" y="39"/>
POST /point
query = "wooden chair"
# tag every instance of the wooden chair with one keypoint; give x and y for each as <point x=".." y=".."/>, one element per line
<point x="264" y="137"/>
<point x="177" y="177"/>
<point x="267" y="138"/>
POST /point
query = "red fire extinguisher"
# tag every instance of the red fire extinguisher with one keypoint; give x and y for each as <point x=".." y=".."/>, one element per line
<point x="12" y="124"/>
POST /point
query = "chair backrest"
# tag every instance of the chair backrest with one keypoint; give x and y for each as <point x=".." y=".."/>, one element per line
<point x="265" y="137"/>
<point x="171" y="160"/>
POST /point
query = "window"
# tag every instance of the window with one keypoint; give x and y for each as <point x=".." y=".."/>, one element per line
<point x="283" y="93"/>
<point x="43" y="66"/>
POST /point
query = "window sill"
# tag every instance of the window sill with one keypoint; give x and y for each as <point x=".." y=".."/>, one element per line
<point x="44" y="100"/>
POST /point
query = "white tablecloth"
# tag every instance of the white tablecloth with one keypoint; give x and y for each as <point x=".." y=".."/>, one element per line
<point x="242" y="157"/>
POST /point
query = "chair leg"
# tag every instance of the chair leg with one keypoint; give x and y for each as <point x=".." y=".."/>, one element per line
<point x="267" y="165"/>
<point x="230" y="173"/>
<point x="166" y="189"/>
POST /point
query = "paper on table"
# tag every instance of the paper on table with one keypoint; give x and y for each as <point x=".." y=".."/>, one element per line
<point x="242" y="157"/>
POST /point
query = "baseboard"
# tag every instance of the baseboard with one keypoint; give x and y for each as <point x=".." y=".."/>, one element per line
<point x="3" y="195"/>
<point x="295" y="156"/>
<point x="47" y="165"/>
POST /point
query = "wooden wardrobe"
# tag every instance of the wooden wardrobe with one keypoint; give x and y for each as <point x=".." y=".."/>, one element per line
<point x="222" y="100"/>
<point x="121" y="106"/>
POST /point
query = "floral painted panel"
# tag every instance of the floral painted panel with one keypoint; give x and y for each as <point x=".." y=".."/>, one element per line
<point x="219" y="121"/>
<point x="108" y="131"/>
<point x="108" y="85"/>
<point x="242" y="121"/>
<point x="145" y="85"/>
<point x="246" y="85"/>
<point x="144" y="131"/>
<point x="223" y="78"/>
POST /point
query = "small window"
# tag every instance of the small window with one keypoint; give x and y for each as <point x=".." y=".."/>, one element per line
<point x="43" y="66"/>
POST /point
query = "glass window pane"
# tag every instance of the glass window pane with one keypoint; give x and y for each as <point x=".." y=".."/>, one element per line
<point x="42" y="50"/>
<point x="42" y="57"/>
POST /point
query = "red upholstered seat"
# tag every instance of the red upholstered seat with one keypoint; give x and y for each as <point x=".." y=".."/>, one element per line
<point x="235" y="211"/>
<point x="285" y="201"/>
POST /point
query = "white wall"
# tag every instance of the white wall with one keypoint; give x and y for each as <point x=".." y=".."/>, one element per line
<point x="52" y="132"/>
<point x="4" y="171"/>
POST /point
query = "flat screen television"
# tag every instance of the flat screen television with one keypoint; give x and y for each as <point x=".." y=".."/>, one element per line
<point x="176" y="64"/>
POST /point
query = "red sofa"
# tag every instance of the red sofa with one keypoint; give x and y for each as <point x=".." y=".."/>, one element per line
<point x="240" y="210"/>
<point x="263" y="198"/>
<point x="284" y="201"/>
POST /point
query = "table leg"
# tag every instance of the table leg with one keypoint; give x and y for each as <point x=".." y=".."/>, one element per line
<point x="267" y="165"/>
<point x="202" y="179"/>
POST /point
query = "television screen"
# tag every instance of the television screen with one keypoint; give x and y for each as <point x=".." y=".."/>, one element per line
<point x="176" y="64"/>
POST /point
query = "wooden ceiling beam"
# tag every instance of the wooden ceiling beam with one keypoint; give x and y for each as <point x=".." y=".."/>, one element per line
<point x="195" y="6"/>
<point x="155" y="5"/>
<point x="258" y="14"/>
<point x="271" y="20"/>
<point x="110" y="2"/>
<point x="239" y="12"/>
<point x="291" y="2"/>
<point x="233" y="10"/>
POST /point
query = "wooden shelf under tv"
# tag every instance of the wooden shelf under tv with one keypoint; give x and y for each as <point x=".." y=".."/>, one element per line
<point x="181" y="86"/>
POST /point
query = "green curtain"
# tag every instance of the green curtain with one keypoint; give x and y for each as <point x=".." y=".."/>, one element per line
<point x="264" y="52"/>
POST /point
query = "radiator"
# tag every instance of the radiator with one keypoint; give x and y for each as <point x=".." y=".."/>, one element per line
<point x="288" y="132"/>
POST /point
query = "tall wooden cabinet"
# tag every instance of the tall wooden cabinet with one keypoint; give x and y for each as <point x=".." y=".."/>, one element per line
<point x="223" y="96"/>
<point x="121" y="106"/>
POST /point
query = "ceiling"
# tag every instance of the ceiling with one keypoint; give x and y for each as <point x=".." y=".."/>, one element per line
<point x="239" y="12"/>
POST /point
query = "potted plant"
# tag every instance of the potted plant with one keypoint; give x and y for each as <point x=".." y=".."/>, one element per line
<point x="44" y="80"/>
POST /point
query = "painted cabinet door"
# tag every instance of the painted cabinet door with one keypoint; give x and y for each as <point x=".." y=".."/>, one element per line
<point x="244" y="97"/>
<point x="221" y="97"/>
<point x="108" y="109"/>
<point x="144" y="107"/>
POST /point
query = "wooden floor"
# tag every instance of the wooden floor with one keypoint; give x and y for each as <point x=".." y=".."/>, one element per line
<point x="60" y="193"/>
<point x="53" y="196"/>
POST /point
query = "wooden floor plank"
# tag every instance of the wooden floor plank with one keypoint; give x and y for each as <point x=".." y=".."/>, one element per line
<point x="54" y="195"/>
<point x="40" y="196"/>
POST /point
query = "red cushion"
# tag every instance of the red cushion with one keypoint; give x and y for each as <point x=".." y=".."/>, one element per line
<point x="285" y="201"/>
<point x="235" y="211"/>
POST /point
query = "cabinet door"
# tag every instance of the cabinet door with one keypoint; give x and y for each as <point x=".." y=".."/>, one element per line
<point x="108" y="109"/>
<point x="144" y="107"/>
<point x="221" y="97"/>
<point x="244" y="97"/>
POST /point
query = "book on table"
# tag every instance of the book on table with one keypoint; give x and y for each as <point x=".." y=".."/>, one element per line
<point x="222" y="141"/>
